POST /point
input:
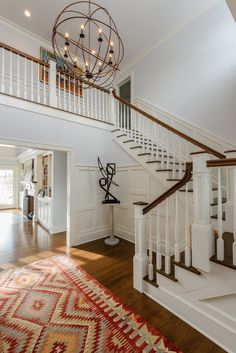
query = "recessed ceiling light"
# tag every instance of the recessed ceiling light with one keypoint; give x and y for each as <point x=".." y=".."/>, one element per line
<point x="27" y="13"/>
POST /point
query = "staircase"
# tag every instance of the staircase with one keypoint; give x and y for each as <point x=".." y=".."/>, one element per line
<point x="186" y="238"/>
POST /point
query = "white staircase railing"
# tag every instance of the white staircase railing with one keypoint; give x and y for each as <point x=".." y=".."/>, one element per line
<point x="26" y="77"/>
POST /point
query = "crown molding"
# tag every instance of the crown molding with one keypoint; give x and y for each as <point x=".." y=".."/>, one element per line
<point x="195" y="15"/>
<point x="25" y="32"/>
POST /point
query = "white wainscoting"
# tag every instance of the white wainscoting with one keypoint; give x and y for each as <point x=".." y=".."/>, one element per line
<point x="135" y="184"/>
<point x="92" y="218"/>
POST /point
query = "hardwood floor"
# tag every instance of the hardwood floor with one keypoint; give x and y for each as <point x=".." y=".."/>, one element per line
<point x="22" y="242"/>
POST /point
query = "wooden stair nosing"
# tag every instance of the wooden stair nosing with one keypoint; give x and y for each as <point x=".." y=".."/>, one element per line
<point x="127" y="141"/>
<point x="144" y="154"/>
<point x="170" y="276"/>
<point x="215" y="216"/>
<point x="215" y="203"/>
<point x="133" y="148"/>
<point x="190" y="268"/>
<point x="115" y="130"/>
<point x="226" y="262"/>
<point x="121" y="135"/>
<point x="153" y="282"/>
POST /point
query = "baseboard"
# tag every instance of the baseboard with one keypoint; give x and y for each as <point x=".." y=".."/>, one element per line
<point x="92" y="235"/>
<point x="58" y="229"/>
<point x="205" y="324"/>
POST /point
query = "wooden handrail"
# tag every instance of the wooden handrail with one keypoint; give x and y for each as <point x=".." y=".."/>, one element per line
<point x="186" y="178"/>
<point x="170" y="128"/>
<point x="221" y="162"/>
<point x="41" y="62"/>
<point x="23" y="55"/>
<point x="84" y="81"/>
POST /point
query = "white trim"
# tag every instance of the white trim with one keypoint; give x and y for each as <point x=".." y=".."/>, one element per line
<point x="26" y="33"/>
<point x="189" y="125"/>
<point x="208" y="4"/>
<point x="46" y="111"/>
<point x="15" y="186"/>
<point x="196" y="318"/>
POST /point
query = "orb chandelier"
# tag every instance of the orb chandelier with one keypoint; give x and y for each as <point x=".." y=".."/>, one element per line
<point x="86" y="42"/>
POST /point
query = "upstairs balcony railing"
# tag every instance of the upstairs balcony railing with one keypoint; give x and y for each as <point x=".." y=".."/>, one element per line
<point x="29" y="78"/>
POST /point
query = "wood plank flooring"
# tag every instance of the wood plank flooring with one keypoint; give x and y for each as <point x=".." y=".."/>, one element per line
<point x="24" y="242"/>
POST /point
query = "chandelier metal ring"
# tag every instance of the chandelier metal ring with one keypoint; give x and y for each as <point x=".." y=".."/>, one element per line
<point x="86" y="40"/>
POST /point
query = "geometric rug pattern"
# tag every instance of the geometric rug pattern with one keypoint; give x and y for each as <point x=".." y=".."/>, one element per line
<point x="54" y="306"/>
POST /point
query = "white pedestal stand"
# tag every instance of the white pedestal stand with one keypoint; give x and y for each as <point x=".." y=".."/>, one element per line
<point x="111" y="240"/>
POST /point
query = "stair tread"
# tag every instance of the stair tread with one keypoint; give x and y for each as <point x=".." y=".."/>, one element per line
<point x="115" y="130"/>
<point x="170" y="276"/>
<point x="133" y="148"/>
<point x="226" y="262"/>
<point x="182" y="264"/>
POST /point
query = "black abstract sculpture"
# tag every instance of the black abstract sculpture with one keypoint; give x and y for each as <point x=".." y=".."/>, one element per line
<point x="106" y="181"/>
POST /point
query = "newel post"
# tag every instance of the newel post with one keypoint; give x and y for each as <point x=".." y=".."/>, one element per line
<point x="140" y="260"/>
<point x="202" y="232"/>
<point x="52" y="83"/>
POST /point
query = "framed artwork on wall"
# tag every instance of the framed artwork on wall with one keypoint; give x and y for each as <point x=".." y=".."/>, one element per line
<point x="67" y="82"/>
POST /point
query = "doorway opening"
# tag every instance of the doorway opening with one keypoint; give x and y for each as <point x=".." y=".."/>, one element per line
<point x="125" y="111"/>
<point x="35" y="182"/>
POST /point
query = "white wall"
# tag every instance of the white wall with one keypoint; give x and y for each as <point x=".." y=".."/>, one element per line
<point x="87" y="141"/>
<point x="193" y="74"/>
<point x="59" y="191"/>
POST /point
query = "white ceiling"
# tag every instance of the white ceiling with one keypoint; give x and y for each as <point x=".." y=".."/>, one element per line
<point x="141" y="24"/>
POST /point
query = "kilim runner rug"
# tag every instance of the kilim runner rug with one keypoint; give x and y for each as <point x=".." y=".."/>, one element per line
<point x="54" y="306"/>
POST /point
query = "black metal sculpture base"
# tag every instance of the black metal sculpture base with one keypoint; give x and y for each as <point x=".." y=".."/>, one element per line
<point x="110" y="202"/>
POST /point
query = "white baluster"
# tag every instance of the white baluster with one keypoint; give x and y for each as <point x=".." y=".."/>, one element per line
<point x="79" y="98"/>
<point x="234" y="216"/>
<point x="64" y="91"/>
<point x="104" y="107"/>
<point x="187" y="252"/>
<point x="44" y="84"/>
<point x="10" y="76"/>
<point x="59" y="89"/>
<point x="139" y="129"/>
<point x="177" y="248"/>
<point x="180" y="157"/>
<point x="167" y="150"/>
<point x="74" y="95"/>
<point x="83" y="103"/>
<point x="220" y="241"/>
<point x="18" y="76"/>
<point x="25" y="79"/>
<point x="162" y="149"/>
<point x="95" y="103"/>
<point x="3" y="71"/>
<point x="150" y="265"/>
<point x="173" y="160"/>
<point x="69" y="92"/>
<point x="167" y="241"/>
<point x="158" y="254"/>
<point x="38" y="86"/>
<point x="32" y="80"/>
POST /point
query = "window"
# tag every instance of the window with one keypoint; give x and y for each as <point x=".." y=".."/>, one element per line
<point x="6" y="188"/>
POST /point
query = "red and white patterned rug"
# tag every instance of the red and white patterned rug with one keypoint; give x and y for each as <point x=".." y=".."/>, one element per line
<point x="54" y="306"/>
